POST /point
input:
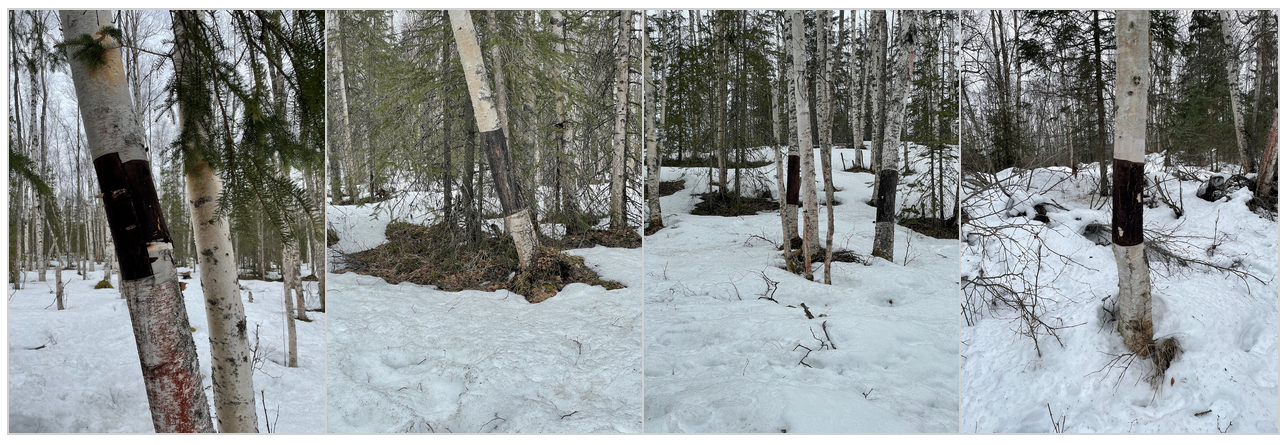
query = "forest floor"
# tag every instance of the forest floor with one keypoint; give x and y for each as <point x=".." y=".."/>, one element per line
<point x="413" y="358"/>
<point x="77" y="370"/>
<point x="719" y="357"/>
<point x="1225" y="379"/>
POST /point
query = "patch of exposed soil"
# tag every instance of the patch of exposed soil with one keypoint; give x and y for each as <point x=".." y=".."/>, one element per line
<point x="932" y="227"/>
<point x="433" y="256"/>
<point x="712" y="204"/>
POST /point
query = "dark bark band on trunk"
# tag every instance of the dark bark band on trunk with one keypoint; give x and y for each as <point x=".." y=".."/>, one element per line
<point x="133" y="212"/>
<point x="885" y="191"/>
<point x="1129" y="185"/>
<point x="794" y="180"/>
<point x="498" y="156"/>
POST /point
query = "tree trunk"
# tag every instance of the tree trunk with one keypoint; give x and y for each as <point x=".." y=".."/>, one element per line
<point x="858" y="104"/>
<point x="1101" y="129"/>
<point x="1269" y="159"/>
<point x="289" y="259"/>
<point x="344" y="111"/>
<point x="876" y="80"/>
<point x="805" y="139"/>
<point x="883" y="244"/>
<point x="1232" y="78"/>
<point x="617" y="182"/>
<point x="498" y="71"/>
<point x="291" y="277"/>
<point x="792" y="209"/>
<point x="722" y="100"/>
<point x="517" y="219"/>
<point x="58" y="284"/>
<point x="654" y="164"/>
<point x="229" y="347"/>
<point x="1135" y="317"/>
<point x="563" y="134"/>
<point x="149" y="284"/>
<point x="823" y="21"/>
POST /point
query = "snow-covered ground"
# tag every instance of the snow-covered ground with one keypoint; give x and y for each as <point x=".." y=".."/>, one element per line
<point x="1227" y="327"/>
<point x="720" y="359"/>
<point x="411" y="358"/>
<point x="86" y="377"/>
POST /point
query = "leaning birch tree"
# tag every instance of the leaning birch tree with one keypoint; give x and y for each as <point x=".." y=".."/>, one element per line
<point x="517" y="219"/>
<point x="883" y="244"/>
<point x="148" y="281"/>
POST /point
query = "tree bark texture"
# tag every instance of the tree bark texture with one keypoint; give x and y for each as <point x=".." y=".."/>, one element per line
<point x="876" y="84"/>
<point x="1232" y="78"/>
<point x="650" y="129"/>
<point x="617" y="196"/>
<point x="149" y="284"/>
<point x="517" y="219"/>
<point x="1269" y="159"/>
<point x="231" y="368"/>
<point x="824" y="20"/>
<point x="883" y="244"/>
<point x="805" y="141"/>
<point x="1135" y="315"/>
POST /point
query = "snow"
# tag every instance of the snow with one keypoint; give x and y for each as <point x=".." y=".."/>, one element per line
<point x="412" y="358"/>
<point x="1227" y="328"/>
<point x="717" y="358"/>
<point x="87" y="376"/>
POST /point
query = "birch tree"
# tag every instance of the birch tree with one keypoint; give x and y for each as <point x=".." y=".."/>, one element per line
<point x="883" y="244"/>
<point x="823" y="21"/>
<point x="1135" y="315"/>
<point x="876" y="83"/>
<point x="791" y="211"/>
<point x="148" y="282"/>
<point x="1232" y="78"/>
<point x="229" y="347"/>
<point x="617" y="197"/>
<point x="650" y="130"/>
<point x="517" y="219"/>
<point x="805" y="141"/>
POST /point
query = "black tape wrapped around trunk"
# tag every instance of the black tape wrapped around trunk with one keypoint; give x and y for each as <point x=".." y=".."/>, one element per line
<point x="133" y="212"/>
<point x="1129" y="186"/>
<point x="794" y="180"/>
<point x="885" y="205"/>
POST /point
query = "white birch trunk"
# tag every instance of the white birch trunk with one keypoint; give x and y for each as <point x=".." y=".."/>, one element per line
<point x="883" y="244"/>
<point x="654" y="164"/>
<point x="517" y="218"/>
<point x="1135" y="314"/>
<point x="805" y="141"/>
<point x="876" y="84"/>
<point x="289" y="261"/>
<point x="792" y="210"/>
<point x="498" y="71"/>
<point x="149" y="284"/>
<point x="1232" y="77"/>
<point x="617" y="196"/>
<point x="231" y="368"/>
<point x="824" y="98"/>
